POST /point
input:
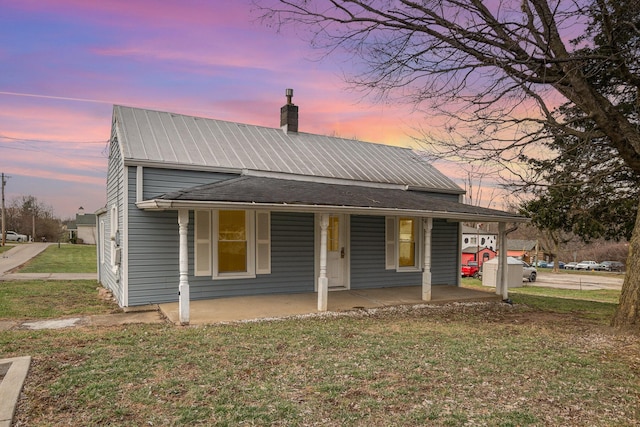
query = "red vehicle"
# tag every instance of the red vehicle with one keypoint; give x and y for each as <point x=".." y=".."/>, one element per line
<point x="471" y="269"/>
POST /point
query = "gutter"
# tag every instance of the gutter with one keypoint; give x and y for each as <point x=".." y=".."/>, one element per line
<point x="165" y="205"/>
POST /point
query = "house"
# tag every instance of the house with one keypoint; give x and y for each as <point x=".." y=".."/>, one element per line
<point x="476" y="236"/>
<point x="83" y="229"/>
<point x="529" y="251"/>
<point x="473" y="253"/>
<point x="200" y="208"/>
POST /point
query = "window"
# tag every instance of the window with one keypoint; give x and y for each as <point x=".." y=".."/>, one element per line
<point x="232" y="243"/>
<point x="114" y="236"/>
<point x="407" y="242"/>
<point x="102" y="242"/>
<point x="402" y="243"/>
<point x="333" y="234"/>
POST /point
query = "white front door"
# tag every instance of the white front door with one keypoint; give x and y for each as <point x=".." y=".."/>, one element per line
<point x="337" y="252"/>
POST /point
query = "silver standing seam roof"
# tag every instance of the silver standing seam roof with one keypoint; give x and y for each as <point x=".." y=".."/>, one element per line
<point x="178" y="141"/>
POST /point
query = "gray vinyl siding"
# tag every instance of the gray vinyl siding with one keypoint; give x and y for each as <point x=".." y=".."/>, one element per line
<point x="159" y="181"/>
<point x="115" y="196"/>
<point x="153" y="245"/>
<point x="292" y="263"/>
<point x="445" y="251"/>
<point x="153" y="248"/>
<point x="368" y="256"/>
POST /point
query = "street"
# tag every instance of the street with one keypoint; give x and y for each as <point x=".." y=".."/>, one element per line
<point x="584" y="281"/>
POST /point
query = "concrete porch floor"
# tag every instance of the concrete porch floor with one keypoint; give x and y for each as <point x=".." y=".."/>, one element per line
<point x="233" y="309"/>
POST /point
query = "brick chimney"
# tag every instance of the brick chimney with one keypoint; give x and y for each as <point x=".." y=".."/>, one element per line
<point x="289" y="114"/>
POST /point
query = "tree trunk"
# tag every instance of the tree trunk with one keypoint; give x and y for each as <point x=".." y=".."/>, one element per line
<point x="627" y="314"/>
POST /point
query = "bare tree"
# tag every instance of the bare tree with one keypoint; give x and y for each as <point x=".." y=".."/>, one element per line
<point x="27" y="214"/>
<point x="499" y="71"/>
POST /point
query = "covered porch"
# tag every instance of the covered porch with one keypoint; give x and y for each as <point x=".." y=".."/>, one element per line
<point x="326" y="200"/>
<point x="234" y="309"/>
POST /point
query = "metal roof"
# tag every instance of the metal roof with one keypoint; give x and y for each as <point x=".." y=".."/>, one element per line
<point x="306" y="195"/>
<point x="175" y="141"/>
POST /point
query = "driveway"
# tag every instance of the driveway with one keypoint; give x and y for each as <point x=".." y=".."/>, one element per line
<point x="578" y="281"/>
<point x="20" y="254"/>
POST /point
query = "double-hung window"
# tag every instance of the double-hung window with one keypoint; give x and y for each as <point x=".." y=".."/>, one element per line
<point x="402" y="243"/>
<point x="232" y="243"/>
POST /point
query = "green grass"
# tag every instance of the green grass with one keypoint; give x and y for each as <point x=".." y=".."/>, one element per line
<point x="39" y="299"/>
<point x="65" y="258"/>
<point x="5" y="248"/>
<point x="544" y="361"/>
<point x="602" y="312"/>
<point x="443" y="366"/>
<point x="597" y="304"/>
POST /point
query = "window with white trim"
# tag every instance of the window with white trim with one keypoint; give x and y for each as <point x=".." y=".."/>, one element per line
<point x="402" y="243"/>
<point x="114" y="237"/>
<point x="232" y="243"/>
<point x="102" y="241"/>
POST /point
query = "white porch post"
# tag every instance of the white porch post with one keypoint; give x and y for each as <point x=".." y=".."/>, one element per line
<point x="323" y="281"/>
<point x="183" y="287"/>
<point x="502" y="286"/>
<point x="426" y="273"/>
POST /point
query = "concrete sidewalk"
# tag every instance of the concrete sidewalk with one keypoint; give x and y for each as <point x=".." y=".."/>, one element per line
<point x="20" y="254"/>
<point x="13" y="372"/>
<point x="49" y="276"/>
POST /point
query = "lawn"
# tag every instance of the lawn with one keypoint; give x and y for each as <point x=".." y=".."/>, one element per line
<point x="65" y="258"/>
<point x="456" y="365"/>
<point x="5" y="248"/>
<point x="447" y="366"/>
<point x="40" y="299"/>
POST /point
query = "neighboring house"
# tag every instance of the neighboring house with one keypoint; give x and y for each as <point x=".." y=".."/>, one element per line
<point x="83" y="229"/>
<point x="527" y="250"/>
<point x="472" y="236"/>
<point x="471" y="253"/>
<point x="200" y="208"/>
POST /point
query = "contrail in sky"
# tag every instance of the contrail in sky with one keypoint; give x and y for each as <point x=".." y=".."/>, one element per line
<point x="63" y="98"/>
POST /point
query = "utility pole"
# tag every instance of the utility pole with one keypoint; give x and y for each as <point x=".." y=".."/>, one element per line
<point x="4" y="229"/>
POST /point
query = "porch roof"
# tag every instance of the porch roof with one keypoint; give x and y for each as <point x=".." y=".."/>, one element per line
<point x="254" y="192"/>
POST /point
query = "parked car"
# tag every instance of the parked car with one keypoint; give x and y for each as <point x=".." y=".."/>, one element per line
<point x="588" y="266"/>
<point x="12" y="236"/>
<point x="542" y="264"/>
<point x="561" y="265"/>
<point x="570" y="266"/>
<point x="612" y="265"/>
<point x="470" y="270"/>
<point x="529" y="272"/>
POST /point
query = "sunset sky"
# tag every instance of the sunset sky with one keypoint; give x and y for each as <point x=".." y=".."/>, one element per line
<point x="64" y="63"/>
